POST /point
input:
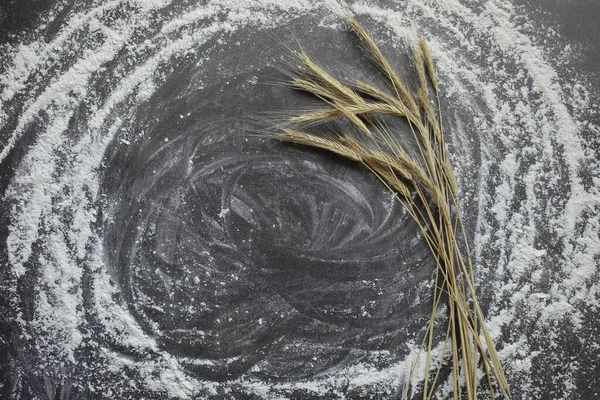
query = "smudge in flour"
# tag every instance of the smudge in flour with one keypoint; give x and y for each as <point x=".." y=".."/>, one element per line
<point x="152" y="250"/>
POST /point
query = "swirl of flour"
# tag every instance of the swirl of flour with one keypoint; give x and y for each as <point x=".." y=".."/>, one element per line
<point x="156" y="249"/>
<point x="236" y="253"/>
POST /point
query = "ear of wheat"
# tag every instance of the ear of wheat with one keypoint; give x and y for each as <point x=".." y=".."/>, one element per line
<point x="422" y="179"/>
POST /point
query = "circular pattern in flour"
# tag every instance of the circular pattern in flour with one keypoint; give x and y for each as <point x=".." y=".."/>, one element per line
<point x="154" y="249"/>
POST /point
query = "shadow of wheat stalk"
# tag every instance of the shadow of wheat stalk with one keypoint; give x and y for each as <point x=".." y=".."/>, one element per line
<point x="421" y="178"/>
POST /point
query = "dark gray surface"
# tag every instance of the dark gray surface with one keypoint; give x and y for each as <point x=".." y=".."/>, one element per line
<point x="267" y="229"/>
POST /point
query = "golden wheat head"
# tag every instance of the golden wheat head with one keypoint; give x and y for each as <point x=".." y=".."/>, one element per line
<point x="422" y="178"/>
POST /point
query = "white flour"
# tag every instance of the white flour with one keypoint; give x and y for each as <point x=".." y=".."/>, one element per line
<point x="537" y="222"/>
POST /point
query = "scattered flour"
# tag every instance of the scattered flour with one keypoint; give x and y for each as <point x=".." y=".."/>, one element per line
<point x="537" y="224"/>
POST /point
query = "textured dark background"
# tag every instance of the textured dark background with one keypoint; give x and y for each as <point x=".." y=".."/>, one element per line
<point x="312" y="232"/>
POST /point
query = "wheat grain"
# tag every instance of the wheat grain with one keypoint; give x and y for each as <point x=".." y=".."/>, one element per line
<point x="425" y="184"/>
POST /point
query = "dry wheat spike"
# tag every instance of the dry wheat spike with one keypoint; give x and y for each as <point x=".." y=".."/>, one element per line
<point x="421" y="176"/>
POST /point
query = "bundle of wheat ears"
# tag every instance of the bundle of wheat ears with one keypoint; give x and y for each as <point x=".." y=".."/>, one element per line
<point x="354" y="122"/>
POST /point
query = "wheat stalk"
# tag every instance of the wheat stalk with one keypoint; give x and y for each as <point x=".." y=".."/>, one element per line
<point x="424" y="183"/>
